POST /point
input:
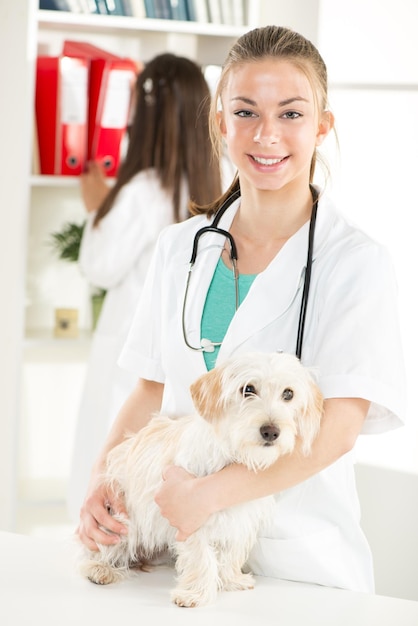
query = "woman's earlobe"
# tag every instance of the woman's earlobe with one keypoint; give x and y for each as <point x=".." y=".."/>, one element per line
<point x="221" y="122"/>
<point x="325" y="126"/>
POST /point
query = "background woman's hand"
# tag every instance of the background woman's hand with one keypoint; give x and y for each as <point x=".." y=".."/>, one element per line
<point x="97" y="525"/>
<point x="94" y="188"/>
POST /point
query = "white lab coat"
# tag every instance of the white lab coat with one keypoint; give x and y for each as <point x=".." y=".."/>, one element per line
<point x="352" y="340"/>
<point x="114" y="256"/>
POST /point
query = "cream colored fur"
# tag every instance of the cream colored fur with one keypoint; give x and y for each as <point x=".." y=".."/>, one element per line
<point x="236" y="403"/>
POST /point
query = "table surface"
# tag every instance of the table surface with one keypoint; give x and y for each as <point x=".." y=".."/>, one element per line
<point x="39" y="585"/>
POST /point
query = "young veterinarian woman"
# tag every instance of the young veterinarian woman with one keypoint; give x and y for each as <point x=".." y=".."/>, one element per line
<point x="247" y="291"/>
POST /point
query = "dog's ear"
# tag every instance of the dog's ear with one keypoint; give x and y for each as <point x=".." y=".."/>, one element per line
<point x="309" y="421"/>
<point x="206" y="394"/>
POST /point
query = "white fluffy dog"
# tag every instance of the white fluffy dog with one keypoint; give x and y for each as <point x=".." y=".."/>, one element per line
<point x="250" y="410"/>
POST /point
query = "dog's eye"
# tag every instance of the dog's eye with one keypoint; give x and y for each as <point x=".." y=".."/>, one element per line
<point x="287" y="395"/>
<point x="248" y="390"/>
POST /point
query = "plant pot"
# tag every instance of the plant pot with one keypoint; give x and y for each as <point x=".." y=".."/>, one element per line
<point x="96" y="307"/>
<point x="66" y="323"/>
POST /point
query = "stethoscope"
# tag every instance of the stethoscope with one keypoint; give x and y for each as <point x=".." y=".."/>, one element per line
<point x="208" y="346"/>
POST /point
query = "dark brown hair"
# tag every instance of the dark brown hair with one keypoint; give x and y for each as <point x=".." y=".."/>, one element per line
<point x="170" y="133"/>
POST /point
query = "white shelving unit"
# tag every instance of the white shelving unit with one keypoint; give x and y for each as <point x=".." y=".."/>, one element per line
<point x="143" y="38"/>
<point x="33" y="206"/>
<point x="79" y="22"/>
<point x="56" y="198"/>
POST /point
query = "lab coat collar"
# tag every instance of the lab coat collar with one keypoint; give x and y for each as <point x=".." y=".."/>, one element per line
<point x="271" y="293"/>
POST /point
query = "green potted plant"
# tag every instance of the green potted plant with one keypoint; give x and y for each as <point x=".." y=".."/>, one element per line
<point x="66" y="244"/>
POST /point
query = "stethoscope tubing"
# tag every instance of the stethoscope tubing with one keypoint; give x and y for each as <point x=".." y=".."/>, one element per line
<point x="214" y="228"/>
<point x="307" y="282"/>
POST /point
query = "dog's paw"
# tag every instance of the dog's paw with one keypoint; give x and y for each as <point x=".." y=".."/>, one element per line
<point x="240" y="583"/>
<point x="190" y="599"/>
<point x="100" y="573"/>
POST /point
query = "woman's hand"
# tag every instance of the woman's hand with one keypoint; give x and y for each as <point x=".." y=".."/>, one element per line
<point x="181" y="502"/>
<point x="94" y="188"/>
<point x="144" y="401"/>
<point x="97" y="525"/>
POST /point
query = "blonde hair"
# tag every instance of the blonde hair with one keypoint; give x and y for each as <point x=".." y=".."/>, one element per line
<point x="275" y="42"/>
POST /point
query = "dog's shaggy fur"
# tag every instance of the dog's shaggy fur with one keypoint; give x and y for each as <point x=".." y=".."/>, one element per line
<point x="250" y="410"/>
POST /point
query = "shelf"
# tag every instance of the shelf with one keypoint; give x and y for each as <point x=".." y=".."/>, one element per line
<point x="39" y="180"/>
<point x="81" y="22"/>
<point x="54" y="181"/>
<point x="35" y="338"/>
<point x="41" y="347"/>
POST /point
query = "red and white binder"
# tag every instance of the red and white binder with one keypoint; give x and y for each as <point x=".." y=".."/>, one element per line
<point x="111" y="81"/>
<point x="61" y="107"/>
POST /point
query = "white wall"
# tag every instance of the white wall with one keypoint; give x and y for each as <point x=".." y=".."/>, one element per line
<point x="390" y="521"/>
<point x="301" y="15"/>
<point x="17" y="51"/>
<point x="369" y="41"/>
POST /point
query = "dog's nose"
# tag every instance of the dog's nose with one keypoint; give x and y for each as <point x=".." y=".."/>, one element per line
<point x="269" y="432"/>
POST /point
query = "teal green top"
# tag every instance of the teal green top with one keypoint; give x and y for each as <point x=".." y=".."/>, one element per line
<point x="219" y="307"/>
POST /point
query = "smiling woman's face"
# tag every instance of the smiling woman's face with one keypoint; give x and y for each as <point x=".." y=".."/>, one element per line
<point x="271" y="124"/>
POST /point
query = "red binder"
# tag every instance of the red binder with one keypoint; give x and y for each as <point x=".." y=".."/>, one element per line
<point x="111" y="80"/>
<point x="61" y="114"/>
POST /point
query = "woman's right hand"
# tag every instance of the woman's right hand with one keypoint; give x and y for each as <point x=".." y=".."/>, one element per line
<point x="95" y="518"/>
<point x="94" y="188"/>
<point x="97" y="524"/>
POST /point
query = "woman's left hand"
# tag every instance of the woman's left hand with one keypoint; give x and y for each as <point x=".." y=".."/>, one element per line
<point x="181" y="502"/>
